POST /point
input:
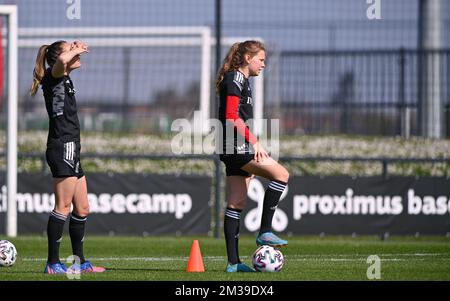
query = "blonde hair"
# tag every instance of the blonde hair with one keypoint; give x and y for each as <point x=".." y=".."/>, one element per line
<point x="235" y="58"/>
<point x="46" y="53"/>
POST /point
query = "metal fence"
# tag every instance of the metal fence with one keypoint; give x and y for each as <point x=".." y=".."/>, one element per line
<point x="367" y="92"/>
<point x="373" y="92"/>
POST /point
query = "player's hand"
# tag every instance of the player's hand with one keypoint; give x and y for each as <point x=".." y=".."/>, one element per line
<point x="260" y="153"/>
<point x="80" y="47"/>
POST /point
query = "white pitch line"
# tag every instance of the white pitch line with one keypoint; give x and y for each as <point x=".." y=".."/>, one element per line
<point x="382" y="254"/>
<point x="121" y="259"/>
<point x="303" y="257"/>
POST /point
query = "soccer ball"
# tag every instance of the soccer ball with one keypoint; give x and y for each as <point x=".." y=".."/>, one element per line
<point x="8" y="253"/>
<point x="268" y="259"/>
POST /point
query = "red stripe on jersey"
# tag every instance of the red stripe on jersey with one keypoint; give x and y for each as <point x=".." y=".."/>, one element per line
<point x="231" y="114"/>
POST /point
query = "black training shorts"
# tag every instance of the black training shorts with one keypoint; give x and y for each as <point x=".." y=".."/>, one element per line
<point x="63" y="158"/>
<point x="234" y="162"/>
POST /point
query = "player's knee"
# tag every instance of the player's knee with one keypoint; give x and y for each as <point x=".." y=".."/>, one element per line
<point x="286" y="175"/>
<point x="283" y="175"/>
<point x="85" y="211"/>
<point x="237" y="203"/>
<point x="63" y="208"/>
<point x="82" y="211"/>
<point x="63" y="211"/>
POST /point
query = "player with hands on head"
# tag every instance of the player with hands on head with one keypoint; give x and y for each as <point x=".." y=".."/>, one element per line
<point x="54" y="63"/>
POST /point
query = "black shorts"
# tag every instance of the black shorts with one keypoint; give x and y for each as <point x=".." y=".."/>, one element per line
<point x="63" y="158"/>
<point x="234" y="162"/>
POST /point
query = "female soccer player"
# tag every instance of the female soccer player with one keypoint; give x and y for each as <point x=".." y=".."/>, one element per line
<point x="243" y="155"/>
<point x="63" y="150"/>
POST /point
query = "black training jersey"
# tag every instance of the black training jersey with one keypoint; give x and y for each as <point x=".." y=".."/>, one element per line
<point x="235" y="85"/>
<point x="61" y="105"/>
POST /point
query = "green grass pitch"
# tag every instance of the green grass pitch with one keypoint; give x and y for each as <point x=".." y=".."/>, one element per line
<point x="306" y="258"/>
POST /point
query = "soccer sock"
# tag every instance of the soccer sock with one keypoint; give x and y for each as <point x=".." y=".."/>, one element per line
<point x="271" y="199"/>
<point x="76" y="231"/>
<point x="231" y="229"/>
<point x="55" y="229"/>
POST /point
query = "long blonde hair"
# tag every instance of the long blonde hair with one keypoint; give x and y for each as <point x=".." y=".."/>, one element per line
<point x="46" y="53"/>
<point x="235" y="58"/>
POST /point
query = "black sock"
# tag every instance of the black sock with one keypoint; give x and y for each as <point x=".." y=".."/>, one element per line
<point x="231" y="229"/>
<point x="76" y="231"/>
<point x="271" y="199"/>
<point x="55" y="229"/>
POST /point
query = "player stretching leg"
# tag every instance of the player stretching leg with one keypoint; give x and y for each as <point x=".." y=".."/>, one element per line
<point x="242" y="160"/>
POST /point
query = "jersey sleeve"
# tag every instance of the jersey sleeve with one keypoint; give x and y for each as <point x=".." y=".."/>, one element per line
<point x="234" y="83"/>
<point x="56" y="86"/>
<point x="232" y="115"/>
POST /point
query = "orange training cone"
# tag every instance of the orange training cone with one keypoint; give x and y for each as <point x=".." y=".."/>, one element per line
<point x="195" y="263"/>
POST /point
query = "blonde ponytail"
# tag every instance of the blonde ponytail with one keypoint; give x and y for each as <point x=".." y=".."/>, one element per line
<point x="39" y="70"/>
<point x="227" y="65"/>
